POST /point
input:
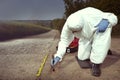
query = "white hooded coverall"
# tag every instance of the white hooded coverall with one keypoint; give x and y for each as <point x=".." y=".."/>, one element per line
<point x="82" y="24"/>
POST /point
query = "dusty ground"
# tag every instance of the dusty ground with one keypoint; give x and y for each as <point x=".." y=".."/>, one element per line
<point x="20" y="59"/>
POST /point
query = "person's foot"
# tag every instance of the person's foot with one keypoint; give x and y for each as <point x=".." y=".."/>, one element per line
<point x="109" y="52"/>
<point x="85" y="64"/>
<point x="96" y="71"/>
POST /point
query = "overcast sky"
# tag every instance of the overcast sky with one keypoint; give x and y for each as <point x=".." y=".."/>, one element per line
<point x="31" y="9"/>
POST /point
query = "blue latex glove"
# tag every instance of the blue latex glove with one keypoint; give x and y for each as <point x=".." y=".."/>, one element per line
<point x="102" y="26"/>
<point x="54" y="61"/>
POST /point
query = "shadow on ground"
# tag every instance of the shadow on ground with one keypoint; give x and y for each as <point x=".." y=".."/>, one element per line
<point x="111" y="59"/>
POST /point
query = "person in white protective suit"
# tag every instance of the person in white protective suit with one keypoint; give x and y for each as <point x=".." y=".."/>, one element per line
<point x="93" y="27"/>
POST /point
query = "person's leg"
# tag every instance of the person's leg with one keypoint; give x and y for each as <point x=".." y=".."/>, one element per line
<point x="100" y="47"/>
<point x="84" y="49"/>
<point x="84" y="53"/>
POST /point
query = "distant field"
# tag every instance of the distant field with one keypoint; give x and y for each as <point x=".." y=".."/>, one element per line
<point x="15" y="29"/>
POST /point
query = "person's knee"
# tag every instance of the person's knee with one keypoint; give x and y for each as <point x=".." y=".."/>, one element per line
<point x="83" y="56"/>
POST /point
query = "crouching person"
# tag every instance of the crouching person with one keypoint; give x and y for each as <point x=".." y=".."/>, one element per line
<point x="93" y="28"/>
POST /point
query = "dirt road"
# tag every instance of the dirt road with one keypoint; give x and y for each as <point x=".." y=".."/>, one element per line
<point x="20" y="60"/>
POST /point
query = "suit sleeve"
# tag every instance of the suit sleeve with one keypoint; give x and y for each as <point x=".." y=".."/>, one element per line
<point x="65" y="39"/>
<point x="112" y="18"/>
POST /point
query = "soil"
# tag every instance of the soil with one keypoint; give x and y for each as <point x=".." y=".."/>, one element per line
<point x="20" y="59"/>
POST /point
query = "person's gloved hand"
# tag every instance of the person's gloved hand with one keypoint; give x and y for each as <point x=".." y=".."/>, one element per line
<point x="55" y="60"/>
<point x="102" y="26"/>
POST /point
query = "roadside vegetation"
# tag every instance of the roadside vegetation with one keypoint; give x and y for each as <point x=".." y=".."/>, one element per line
<point x="105" y="5"/>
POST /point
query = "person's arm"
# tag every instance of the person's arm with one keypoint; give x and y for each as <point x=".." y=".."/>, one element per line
<point x="112" y="18"/>
<point x="65" y="39"/>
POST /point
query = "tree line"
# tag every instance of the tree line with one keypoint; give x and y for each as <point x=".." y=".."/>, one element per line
<point x="72" y="6"/>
